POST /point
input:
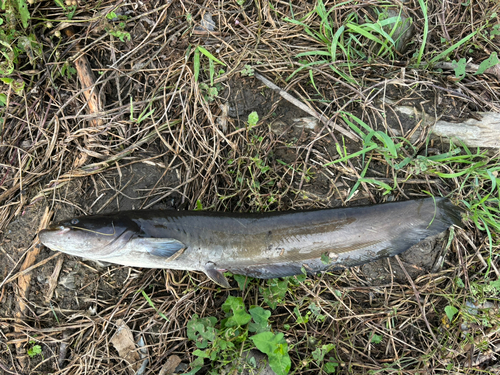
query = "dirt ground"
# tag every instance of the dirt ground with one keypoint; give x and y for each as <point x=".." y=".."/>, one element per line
<point x="194" y="150"/>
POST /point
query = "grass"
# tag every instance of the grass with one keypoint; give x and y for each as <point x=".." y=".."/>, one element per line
<point x="166" y="89"/>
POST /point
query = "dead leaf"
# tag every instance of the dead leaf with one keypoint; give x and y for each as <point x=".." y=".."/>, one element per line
<point x="169" y="367"/>
<point x="123" y="341"/>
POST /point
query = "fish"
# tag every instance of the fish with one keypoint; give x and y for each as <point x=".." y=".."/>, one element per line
<point x="260" y="245"/>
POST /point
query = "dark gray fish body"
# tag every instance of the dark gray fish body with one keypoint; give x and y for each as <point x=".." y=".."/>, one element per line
<point x="259" y="245"/>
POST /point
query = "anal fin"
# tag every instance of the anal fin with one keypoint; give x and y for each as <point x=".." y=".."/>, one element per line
<point x="215" y="275"/>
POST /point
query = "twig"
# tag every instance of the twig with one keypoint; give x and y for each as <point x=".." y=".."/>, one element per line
<point x="53" y="279"/>
<point x="301" y="105"/>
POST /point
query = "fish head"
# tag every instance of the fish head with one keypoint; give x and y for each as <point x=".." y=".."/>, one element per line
<point x="93" y="237"/>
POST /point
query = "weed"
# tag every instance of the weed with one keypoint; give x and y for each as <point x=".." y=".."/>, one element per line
<point x="253" y="119"/>
<point x="247" y="71"/>
<point x="354" y="39"/>
<point x="143" y="115"/>
<point x="16" y="86"/>
<point x="423" y="6"/>
<point x="488" y="63"/>
<point x="67" y="70"/>
<point x="376" y="339"/>
<point x="222" y="343"/>
<point x="34" y="350"/>
<point x="211" y="91"/>
<point x="118" y="31"/>
<point x="146" y="297"/>
<point x="319" y="356"/>
<point x="459" y="68"/>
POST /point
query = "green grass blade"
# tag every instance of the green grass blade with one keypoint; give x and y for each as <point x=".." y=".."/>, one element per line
<point x="196" y="64"/>
<point x="370" y="147"/>
<point x="360" y="30"/>
<point x="423" y="5"/>
<point x="356" y="185"/>
<point x="447" y="51"/>
<point x="146" y="297"/>
<point x="209" y="55"/>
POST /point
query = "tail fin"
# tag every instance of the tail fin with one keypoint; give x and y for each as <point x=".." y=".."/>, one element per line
<point x="448" y="213"/>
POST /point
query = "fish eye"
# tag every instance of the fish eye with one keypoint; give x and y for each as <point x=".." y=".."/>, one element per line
<point x="74" y="221"/>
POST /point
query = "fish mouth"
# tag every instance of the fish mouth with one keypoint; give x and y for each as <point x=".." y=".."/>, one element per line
<point x="46" y="236"/>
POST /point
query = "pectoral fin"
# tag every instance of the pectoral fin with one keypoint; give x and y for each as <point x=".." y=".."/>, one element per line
<point x="215" y="275"/>
<point x="161" y="247"/>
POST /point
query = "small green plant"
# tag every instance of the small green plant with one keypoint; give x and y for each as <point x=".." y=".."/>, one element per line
<point x="247" y="71"/>
<point x="34" y="350"/>
<point x="488" y="63"/>
<point x="143" y="115"/>
<point x="274" y="292"/>
<point x="301" y="319"/>
<point x="119" y="32"/>
<point x="316" y="313"/>
<point x="222" y="343"/>
<point x="67" y="70"/>
<point x="355" y="39"/>
<point x="319" y="356"/>
<point x="376" y="339"/>
<point x="16" y="86"/>
<point x="459" y="68"/>
<point x="16" y="9"/>
<point x="211" y="91"/>
<point x="253" y="119"/>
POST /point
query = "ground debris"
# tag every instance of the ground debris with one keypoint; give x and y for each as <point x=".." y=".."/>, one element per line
<point x="123" y="341"/>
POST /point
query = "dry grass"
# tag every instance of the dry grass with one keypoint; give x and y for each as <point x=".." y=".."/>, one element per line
<point x="222" y="164"/>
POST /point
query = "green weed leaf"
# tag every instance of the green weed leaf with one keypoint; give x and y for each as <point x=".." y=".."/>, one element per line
<point x="301" y="319"/>
<point x="146" y="297"/>
<point x="253" y="119"/>
<point x="240" y="316"/>
<point x="488" y="63"/>
<point x="24" y="13"/>
<point x="319" y="353"/>
<point x="196" y="64"/>
<point x="209" y="55"/>
<point x="376" y="339"/>
<point x="202" y="330"/>
<point x="274" y="292"/>
<point x="276" y="349"/>
<point x="199" y="206"/>
<point x="459" y="67"/>
<point x="330" y="367"/>
<point x="242" y="281"/>
<point x="450" y="312"/>
<point x="16" y="86"/>
<point x="34" y="351"/>
<point x="316" y="311"/>
<point x="260" y="317"/>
